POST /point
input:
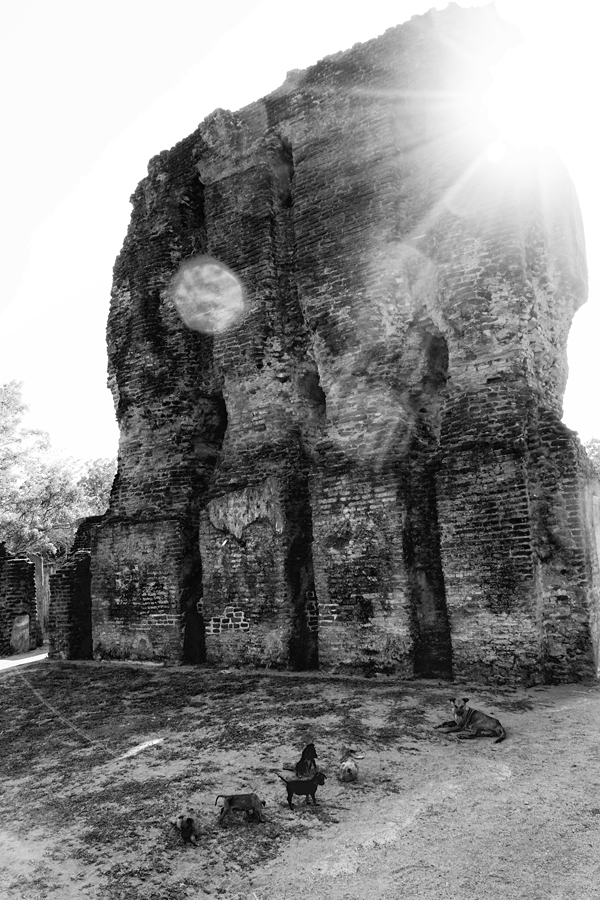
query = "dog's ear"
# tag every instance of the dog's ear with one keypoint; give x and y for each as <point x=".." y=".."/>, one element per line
<point x="465" y="700"/>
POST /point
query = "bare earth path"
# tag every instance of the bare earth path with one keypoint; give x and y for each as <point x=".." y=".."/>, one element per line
<point x="85" y="810"/>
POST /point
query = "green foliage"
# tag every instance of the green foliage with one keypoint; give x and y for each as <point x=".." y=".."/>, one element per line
<point x="95" y="484"/>
<point x="14" y="439"/>
<point x="43" y="496"/>
<point x="592" y="448"/>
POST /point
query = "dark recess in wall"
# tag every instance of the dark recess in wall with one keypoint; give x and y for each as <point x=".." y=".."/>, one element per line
<point x="299" y="574"/>
<point x="194" y="645"/>
<point x="421" y="536"/>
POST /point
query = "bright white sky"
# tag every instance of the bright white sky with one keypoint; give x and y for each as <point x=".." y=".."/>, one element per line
<point x="92" y="91"/>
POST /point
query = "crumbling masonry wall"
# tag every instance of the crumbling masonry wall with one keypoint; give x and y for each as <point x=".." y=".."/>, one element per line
<point x="19" y="626"/>
<point x="368" y="471"/>
<point x="70" y="614"/>
<point x="70" y="620"/>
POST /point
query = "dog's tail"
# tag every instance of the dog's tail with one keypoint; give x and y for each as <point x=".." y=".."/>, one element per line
<point x="502" y="736"/>
<point x="282" y="778"/>
<point x="218" y="798"/>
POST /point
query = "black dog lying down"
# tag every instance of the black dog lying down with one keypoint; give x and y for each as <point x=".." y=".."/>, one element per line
<point x="307" y="763"/>
<point x="303" y="787"/>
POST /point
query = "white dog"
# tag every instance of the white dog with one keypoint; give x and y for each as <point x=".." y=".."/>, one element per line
<point x="348" y="770"/>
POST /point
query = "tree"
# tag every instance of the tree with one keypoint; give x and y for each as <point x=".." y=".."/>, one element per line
<point x="95" y="484"/>
<point x="45" y="507"/>
<point x="43" y="496"/>
<point x="592" y="448"/>
<point x="15" y="440"/>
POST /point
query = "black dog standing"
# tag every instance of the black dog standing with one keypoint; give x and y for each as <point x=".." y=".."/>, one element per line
<point x="304" y="787"/>
<point x="307" y="763"/>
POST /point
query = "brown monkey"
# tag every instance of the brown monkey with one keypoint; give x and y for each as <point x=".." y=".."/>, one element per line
<point x="249" y="803"/>
<point x="471" y="723"/>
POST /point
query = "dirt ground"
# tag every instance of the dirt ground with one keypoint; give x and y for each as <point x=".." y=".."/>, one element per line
<point x="97" y="758"/>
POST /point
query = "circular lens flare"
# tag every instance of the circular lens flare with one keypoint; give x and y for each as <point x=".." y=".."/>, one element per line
<point x="208" y="296"/>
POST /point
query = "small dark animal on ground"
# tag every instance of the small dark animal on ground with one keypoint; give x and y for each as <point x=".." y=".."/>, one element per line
<point x="304" y="787"/>
<point x="471" y="723"/>
<point x="253" y="813"/>
<point x="188" y="826"/>
<point x="307" y="763"/>
<point x="251" y="804"/>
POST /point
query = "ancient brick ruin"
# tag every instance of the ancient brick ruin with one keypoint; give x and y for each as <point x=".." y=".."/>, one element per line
<point x="367" y="471"/>
<point x="20" y="628"/>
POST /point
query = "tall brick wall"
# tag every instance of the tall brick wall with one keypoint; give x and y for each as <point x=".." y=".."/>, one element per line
<point x="368" y="470"/>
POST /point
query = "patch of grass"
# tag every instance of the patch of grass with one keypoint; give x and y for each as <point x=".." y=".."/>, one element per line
<point x="388" y="734"/>
<point x="516" y="705"/>
<point x="238" y="734"/>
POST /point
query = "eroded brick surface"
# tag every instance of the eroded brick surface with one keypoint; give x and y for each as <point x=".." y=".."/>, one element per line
<point x="17" y="599"/>
<point x="367" y="471"/>
<point x="70" y="619"/>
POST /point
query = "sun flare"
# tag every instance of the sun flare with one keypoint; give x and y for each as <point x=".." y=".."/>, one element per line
<point x="518" y="103"/>
<point x="528" y="99"/>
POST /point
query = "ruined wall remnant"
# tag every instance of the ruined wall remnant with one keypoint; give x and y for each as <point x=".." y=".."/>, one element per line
<point x="367" y="469"/>
<point x="70" y="614"/>
<point x="43" y="570"/>
<point x="70" y="620"/>
<point x="19" y="626"/>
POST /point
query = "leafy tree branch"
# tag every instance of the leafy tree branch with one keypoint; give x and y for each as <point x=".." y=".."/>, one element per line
<point x="43" y="496"/>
